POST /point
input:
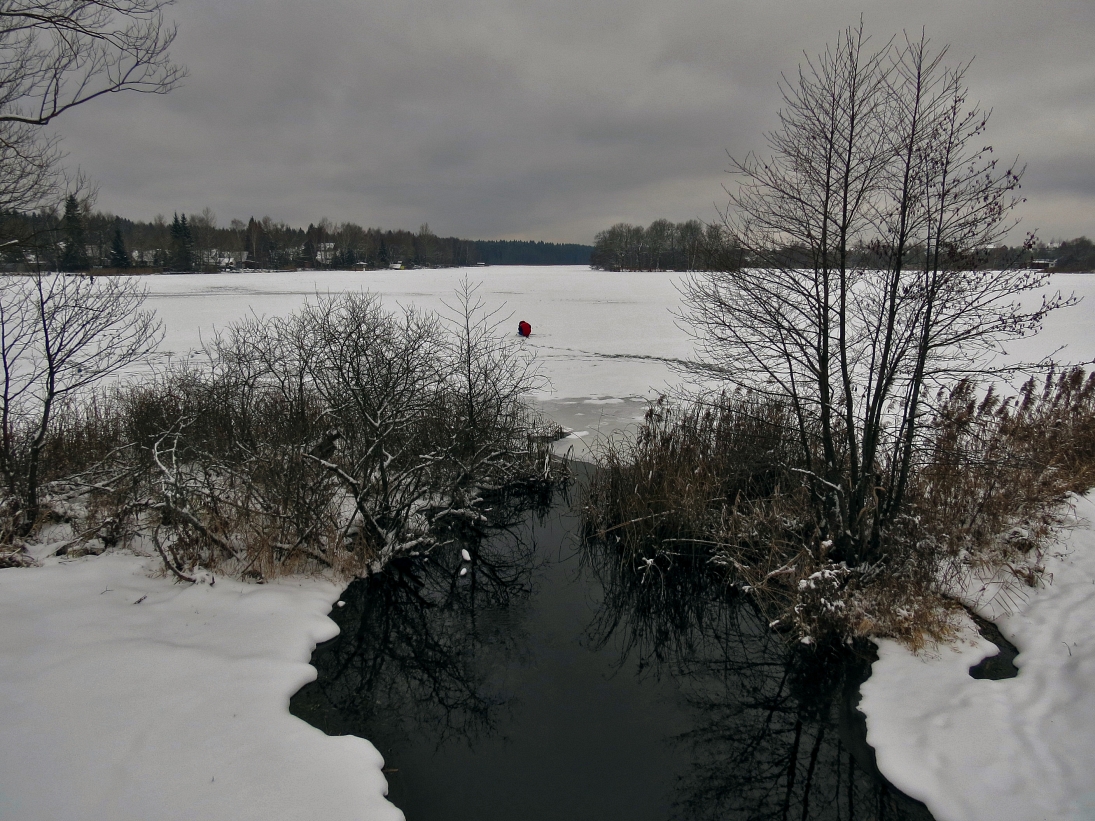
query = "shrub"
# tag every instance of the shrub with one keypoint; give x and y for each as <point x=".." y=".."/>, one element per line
<point x="60" y="337"/>
<point x="340" y="436"/>
<point x="716" y="481"/>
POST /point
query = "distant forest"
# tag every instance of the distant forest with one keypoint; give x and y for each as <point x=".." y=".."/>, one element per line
<point x="1073" y="255"/>
<point x="80" y="239"/>
<point x="695" y="246"/>
<point x="663" y="246"/>
<point x="520" y="252"/>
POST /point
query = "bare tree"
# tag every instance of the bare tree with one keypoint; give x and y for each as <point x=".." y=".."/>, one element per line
<point x="866" y="290"/>
<point x="203" y="227"/>
<point x="59" y="336"/>
<point x="30" y="172"/>
<point x="487" y="376"/>
<point x="58" y="54"/>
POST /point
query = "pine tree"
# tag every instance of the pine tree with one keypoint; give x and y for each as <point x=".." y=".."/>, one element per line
<point x="119" y="256"/>
<point x="182" y="245"/>
<point x="74" y="257"/>
<point x="311" y="245"/>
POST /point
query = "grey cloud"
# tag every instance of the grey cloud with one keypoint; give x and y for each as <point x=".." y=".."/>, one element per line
<point x="546" y="120"/>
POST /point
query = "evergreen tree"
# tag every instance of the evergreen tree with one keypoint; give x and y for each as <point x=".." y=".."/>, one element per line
<point x="343" y="258"/>
<point x="74" y="257"/>
<point x="182" y="245"/>
<point x="119" y="256"/>
<point x="311" y="245"/>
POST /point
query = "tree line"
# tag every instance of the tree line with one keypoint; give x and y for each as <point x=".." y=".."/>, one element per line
<point x="79" y="238"/>
<point x="696" y="246"/>
<point x="663" y="246"/>
<point x="1071" y="255"/>
<point x="526" y="252"/>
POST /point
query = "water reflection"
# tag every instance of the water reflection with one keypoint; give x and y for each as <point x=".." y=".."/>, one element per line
<point x="555" y="680"/>
<point x="420" y="643"/>
<point x="776" y="733"/>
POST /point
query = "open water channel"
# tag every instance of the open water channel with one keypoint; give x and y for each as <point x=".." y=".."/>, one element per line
<point x="550" y="682"/>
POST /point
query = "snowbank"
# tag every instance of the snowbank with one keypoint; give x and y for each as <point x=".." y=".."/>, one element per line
<point x="1021" y="748"/>
<point x="172" y="708"/>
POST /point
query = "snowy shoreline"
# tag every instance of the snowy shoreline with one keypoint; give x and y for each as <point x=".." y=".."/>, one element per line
<point x="127" y="696"/>
<point x="177" y="707"/>
<point x="173" y="708"/>
<point x="1012" y="750"/>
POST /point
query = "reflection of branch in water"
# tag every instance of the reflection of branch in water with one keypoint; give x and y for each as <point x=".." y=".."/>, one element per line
<point x="424" y="647"/>
<point x="774" y="735"/>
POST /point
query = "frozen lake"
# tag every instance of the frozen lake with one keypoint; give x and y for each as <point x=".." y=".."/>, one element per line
<point x="606" y="341"/>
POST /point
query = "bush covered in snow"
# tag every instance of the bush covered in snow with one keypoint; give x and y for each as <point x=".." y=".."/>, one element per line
<point x="338" y="437"/>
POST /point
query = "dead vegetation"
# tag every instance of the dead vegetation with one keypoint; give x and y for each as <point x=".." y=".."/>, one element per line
<point x="719" y="482"/>
<point x="338" y="437"/>
<point x="833" y="480"/>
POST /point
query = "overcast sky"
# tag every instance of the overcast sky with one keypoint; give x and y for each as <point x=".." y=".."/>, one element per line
<point x="544" y="119"/>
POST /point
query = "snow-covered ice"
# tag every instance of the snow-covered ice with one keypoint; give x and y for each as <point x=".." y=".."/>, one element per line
<point x="605" y="341"/>
<point x="177" y="707"/>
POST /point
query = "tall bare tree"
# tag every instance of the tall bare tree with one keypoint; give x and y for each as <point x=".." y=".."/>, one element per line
<point x="59" y="335"/>
<point x="866" y="289"/>
<point x="59" y="54"/>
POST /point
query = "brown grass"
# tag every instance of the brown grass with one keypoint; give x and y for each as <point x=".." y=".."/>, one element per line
<point x="336" y="438"/>
<point x="715" y="481"/>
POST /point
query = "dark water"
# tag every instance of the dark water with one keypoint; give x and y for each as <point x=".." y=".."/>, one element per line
<point x="1002" y="664"/>
<point x="550" y="682"/>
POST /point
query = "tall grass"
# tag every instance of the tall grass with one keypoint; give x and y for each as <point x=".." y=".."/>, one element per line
<point x="719" y="480"/>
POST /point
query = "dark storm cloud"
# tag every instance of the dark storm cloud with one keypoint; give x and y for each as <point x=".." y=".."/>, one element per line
<point x="543" y="119"/>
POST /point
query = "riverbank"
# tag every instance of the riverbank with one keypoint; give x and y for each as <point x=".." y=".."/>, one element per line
<point x="1012" y="750"/>
<point x="126" y="696"/>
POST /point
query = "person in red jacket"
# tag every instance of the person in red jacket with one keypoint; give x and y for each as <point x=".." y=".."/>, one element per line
<point x="523" y="328"/>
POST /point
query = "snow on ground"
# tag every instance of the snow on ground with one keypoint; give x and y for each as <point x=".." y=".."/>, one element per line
<point x="1019" y="749"/>
<point x="173" y="708"/>
<point x="177" y="707"/>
